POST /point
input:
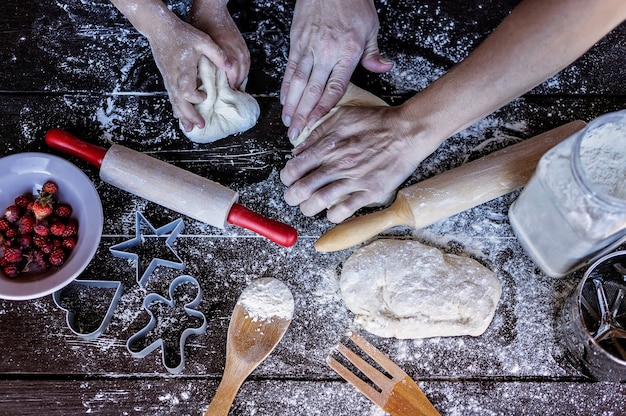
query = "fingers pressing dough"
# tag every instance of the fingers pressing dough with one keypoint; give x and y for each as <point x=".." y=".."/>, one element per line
<point x="354" y="96"/>
<point x="225" y="111"/>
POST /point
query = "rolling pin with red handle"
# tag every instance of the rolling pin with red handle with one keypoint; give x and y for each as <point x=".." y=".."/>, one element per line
<point x="171" y="187"/>
<point x="451" y="192"/>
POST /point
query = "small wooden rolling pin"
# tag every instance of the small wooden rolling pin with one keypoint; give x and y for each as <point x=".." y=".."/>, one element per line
<point x="171" y="187"/>
<point x="451" y="192"/>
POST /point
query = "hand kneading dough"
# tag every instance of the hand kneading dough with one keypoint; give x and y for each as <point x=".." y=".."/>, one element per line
<point x="404" y="289"/>
<point x="354" y="96"/>
<point x="225" y="111"/>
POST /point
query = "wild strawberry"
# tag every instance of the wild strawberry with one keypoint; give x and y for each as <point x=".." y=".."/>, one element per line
<point x="43" y="243"/>
<point x="69" y="243"/>
<point x="63" y="210"/>
<point x="26" y="224"/>
<point x="25" y="240"/>
<point x="41" y="228"/>
<point x="12" y="213"/>
<point x="13" y="254"/>
<point x="57" y="228"/>
<point x="4" y="224"/>
<point x="57" y="257"/>
<point x="42" y="207"/>
<point x="71" y="228"/>
<point x="23" y="200"/>
<point x="11" y="233"/>
<point x="11" y="270"/>
<point x="50" y="188"/>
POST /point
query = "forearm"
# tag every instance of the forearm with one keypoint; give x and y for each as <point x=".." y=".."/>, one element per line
<point x="147" y="16"/>
<point x="538" y="39"/>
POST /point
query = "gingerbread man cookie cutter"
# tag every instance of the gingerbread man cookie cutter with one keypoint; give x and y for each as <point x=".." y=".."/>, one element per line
<point x="143" y="339"/>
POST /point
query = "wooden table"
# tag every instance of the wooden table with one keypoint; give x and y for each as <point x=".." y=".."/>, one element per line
<point x="81" y="66"/>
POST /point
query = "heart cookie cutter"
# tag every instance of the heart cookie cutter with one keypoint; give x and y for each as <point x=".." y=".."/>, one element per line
<point x="142" y="337"/>
<point x="76" y="324"/>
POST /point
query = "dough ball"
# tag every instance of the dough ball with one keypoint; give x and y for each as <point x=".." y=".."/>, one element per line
<point x="225" y="111"/>
<point x="404" y="289"/>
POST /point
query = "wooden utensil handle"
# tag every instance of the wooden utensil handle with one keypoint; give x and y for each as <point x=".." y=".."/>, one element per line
<point x="451" y="192"/>
<point x="359" y="229"/>
<point x="407" y="399"/>
<point x="223" y="399"/>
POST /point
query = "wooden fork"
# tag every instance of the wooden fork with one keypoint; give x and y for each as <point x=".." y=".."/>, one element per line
<point x="398" y="395"/>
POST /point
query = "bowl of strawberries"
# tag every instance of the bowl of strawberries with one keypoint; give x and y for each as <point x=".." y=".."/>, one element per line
<point x="50" y="227"/>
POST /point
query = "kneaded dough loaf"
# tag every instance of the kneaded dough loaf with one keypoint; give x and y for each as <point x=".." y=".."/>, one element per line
<point x="404" y="289"/>
<point x="225" y="111"/>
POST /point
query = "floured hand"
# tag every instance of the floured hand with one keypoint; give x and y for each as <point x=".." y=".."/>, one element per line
<point x="328" y="39"/>
<point x="357" y="156"/>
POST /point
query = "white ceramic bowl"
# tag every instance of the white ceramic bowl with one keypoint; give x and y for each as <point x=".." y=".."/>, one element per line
<point x="27" y="172"/>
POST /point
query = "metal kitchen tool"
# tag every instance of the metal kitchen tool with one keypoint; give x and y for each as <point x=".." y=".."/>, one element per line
<point x="128" y="249"/>
<point x="260" y="319"/>
<point x="143" y="343"/>
<point x="592" y="321"/>
<point x="397" y="395"/>
<point x="451" y="192"/>
<point x="171" y="187"/>
<point x="77" y="323"/>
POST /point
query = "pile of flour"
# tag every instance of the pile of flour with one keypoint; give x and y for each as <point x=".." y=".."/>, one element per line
<point x="267" y="299"/>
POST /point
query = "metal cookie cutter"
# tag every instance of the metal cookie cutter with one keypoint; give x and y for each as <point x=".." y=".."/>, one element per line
<point x="144" y="342"/>
<point x="88" y="325"/>
<point x="128" y="249"/>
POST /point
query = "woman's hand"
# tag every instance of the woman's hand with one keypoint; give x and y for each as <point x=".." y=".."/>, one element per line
<point x="328" y="40"/>
<point x="355" y="158"/>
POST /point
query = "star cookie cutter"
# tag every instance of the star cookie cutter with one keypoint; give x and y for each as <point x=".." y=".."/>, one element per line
<point x="128" y="249"/>
<point x="143" y="337"/>
<point x="77" y="322"/>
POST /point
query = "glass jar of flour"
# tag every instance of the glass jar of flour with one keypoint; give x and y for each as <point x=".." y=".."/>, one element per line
<point x="573" y="210"/>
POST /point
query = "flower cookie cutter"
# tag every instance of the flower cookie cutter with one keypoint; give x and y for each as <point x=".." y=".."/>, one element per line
<point x="128" y="249"/>
<point x="145" y="341"/>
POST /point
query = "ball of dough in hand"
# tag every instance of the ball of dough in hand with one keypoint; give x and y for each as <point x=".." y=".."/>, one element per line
<point x="225" y="111"/>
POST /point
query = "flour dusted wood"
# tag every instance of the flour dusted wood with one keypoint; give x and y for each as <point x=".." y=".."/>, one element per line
<point x="404" y="289"/>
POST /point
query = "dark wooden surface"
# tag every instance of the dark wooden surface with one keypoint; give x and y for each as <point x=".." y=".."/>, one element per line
<point x="79" y="65"/>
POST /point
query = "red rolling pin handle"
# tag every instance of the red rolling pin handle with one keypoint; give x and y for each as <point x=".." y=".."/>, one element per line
<point x="275" y="231"/>
<point x="281" y="234"/>
<point x="61" y="140"/>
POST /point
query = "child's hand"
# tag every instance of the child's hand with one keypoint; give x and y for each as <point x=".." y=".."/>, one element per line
<point x="176" y="53"/>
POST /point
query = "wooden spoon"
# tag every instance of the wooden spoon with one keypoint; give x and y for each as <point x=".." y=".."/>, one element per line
<point x="260" y="319"/>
